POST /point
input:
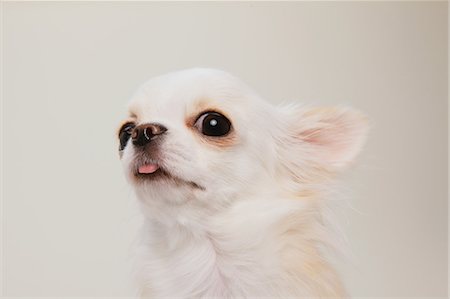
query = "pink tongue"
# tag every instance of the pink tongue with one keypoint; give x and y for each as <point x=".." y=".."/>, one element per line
<point x="148" y="168"/>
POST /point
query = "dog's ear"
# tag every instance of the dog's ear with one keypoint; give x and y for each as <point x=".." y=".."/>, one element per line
<point x="329" y="137"/>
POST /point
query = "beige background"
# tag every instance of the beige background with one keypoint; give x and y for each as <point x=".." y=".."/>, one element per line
<point x="69" y="69"/>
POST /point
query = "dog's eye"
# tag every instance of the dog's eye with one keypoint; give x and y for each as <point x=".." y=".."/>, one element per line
<point x="213" y="124"/>
<point x="124" y="134"/>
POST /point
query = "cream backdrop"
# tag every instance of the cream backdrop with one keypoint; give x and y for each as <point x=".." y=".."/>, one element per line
<point x="69" y="69"/>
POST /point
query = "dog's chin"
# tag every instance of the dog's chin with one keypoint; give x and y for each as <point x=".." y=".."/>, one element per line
<point x="158" y="175"/>
<point x="161" y="177"/>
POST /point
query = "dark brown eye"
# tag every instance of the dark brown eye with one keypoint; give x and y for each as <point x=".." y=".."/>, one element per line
<point x="213" y="124"/>
<point x="124" y="134"/>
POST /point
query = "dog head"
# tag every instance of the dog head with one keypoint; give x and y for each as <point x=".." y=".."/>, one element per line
<point x="202" y="135"/>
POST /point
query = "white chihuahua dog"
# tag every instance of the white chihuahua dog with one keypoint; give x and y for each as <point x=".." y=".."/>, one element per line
<point x="232" y="188"/>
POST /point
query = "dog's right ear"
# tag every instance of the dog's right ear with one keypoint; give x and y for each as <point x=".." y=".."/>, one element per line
<point x="328" y="138"/>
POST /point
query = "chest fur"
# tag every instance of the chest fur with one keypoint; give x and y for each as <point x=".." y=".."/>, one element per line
<point x="257" y="255"/>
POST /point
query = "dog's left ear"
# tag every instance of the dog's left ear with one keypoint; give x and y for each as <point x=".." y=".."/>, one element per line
<point x="331" y="137"/>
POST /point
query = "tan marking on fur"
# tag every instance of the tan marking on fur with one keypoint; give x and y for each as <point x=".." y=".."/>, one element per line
<point x="220" y="142"/>
<point x="312" y="174"/>
<point x="301" y="257"/>
<point x="204" y="105"/>
<point x="133" y="110"/>
<point x="307" y="194"/>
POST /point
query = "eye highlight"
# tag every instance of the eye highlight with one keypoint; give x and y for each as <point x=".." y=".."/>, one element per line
<point x="213" y="124"/>
<point x="125" y="134"/>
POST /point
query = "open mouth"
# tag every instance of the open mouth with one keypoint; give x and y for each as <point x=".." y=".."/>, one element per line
<point x="149" y="168"/>
<point x="153" y="172"/>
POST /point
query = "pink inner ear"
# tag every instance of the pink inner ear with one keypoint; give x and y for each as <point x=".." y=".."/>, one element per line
<point x="312" y="136"/>
<point x="330" y="141"/>
<point x="337" y="134"/>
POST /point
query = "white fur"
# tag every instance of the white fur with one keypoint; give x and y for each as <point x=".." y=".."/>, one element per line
<point x="256" y="228"/>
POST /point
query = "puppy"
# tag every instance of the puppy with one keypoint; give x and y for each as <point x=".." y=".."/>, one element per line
<point x="232" y="188"/>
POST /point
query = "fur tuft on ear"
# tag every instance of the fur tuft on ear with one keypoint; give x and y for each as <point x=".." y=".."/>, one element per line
<point x="330" y="137"/>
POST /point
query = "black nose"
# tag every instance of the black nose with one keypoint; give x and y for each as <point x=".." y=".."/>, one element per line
<point x="144" y="133"/>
